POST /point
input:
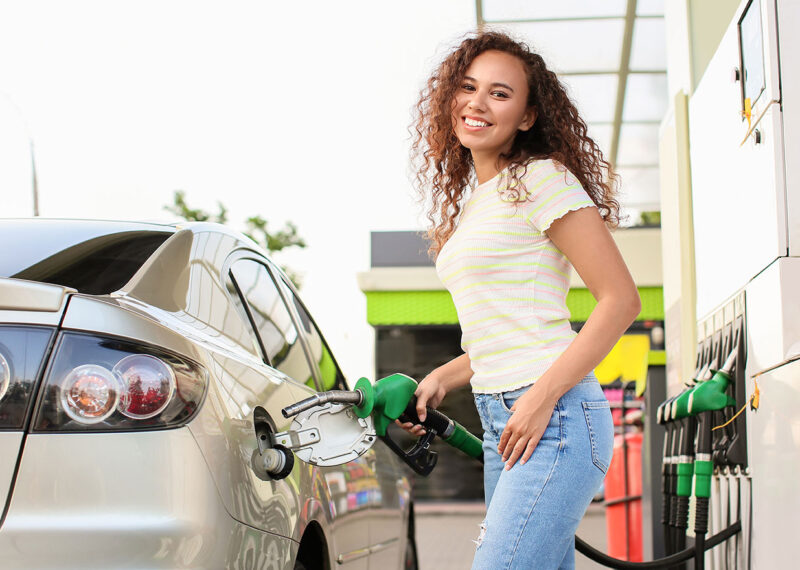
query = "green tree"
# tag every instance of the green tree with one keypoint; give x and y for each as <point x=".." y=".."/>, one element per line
<point x="256" y="228"/>
<point x="650" y="218"/>
<point x="181" y="208"/>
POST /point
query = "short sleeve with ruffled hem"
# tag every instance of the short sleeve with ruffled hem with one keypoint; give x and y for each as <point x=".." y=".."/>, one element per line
<point x="552" y="192"/>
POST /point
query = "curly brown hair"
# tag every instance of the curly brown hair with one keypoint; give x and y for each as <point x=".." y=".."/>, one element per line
<point x="444" y="167"/>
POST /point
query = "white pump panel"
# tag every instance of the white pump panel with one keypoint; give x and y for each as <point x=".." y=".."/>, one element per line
<point x="772" y="442"/>
<point x="739" y="189"/>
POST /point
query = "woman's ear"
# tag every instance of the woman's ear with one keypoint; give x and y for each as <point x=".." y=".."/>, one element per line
<point x="528" y="119"/>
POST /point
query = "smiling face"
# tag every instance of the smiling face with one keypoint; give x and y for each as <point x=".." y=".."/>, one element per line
<point x="490" y="105"/>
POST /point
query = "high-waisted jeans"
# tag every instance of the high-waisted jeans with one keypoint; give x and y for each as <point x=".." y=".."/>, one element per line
<point x="534" y="509"/>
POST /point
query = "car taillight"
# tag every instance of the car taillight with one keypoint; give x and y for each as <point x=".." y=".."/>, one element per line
<point x="89" y="394"/>
<point x="98" y="383"/>
<point x="22" y="354"/>
<point x="147" y="385"/>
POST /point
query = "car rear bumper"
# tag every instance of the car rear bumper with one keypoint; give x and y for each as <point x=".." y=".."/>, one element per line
<point x="125" y="500"/>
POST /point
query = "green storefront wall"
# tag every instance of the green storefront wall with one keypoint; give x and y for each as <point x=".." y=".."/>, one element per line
<point x="436" y="307"/>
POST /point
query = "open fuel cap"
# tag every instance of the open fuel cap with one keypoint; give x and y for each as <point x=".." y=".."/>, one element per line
<point x="328" y="435"/>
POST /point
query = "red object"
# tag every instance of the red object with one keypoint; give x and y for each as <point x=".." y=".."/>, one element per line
<point x="624" y="519"/>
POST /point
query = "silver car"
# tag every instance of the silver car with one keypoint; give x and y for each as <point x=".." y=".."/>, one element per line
<point x="141" y="366"/>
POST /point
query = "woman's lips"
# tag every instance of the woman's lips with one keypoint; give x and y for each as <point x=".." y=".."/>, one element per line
<point x="474" y="123"/>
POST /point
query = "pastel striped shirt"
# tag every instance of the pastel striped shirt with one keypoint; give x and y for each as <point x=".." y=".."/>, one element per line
<point x="508" y="281"/>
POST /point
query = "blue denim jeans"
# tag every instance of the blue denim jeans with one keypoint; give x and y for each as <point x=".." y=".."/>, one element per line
<point x="533" y="510"/>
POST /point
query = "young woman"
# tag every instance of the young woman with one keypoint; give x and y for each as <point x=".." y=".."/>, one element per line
<point x="518" y="193"/>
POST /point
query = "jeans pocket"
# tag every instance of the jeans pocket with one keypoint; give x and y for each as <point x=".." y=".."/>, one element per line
<point x="508" y="399"/>
<point x="506" y="402"/>
<point x="601" y="432"/>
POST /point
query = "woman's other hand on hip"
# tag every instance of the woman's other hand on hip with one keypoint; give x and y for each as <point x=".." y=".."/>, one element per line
<point x="525" y="427"/>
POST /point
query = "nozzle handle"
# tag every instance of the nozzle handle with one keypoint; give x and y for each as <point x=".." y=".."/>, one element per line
<point x="451" y="431"/>
<point x="434" y="419"/>
<point x="421" y="458"/>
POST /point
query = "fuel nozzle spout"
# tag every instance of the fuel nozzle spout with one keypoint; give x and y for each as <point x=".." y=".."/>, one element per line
<point x="710" y="395"/>
<point x="706" y="371"/>
<point x="727" y="368"/>
<point x="355" y="397"/>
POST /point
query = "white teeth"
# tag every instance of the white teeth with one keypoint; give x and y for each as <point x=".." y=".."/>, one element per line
<point x="474" y="123"/>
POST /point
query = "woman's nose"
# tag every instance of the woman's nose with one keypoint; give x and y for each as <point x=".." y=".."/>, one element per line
<point x="476" y="101"/>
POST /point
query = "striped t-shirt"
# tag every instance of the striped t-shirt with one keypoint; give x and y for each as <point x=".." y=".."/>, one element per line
<point x="508" y="281"/>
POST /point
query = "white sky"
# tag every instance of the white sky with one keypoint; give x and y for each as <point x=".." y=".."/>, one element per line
<point x="294" y="110"/>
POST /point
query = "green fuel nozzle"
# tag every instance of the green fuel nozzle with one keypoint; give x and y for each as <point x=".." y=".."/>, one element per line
<point x="687" y="430"/>
<point x="710" y="395"/>
<point x="386" y="400"/>
<point x="392" y="398"/>
<point x="682" y="469"/>
<point x="677" y="407"/>
<point x="707" y="397"/>
<point x="680" y="404"/>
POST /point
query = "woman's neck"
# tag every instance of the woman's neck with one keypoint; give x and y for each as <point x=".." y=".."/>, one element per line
<point x="487" y="166"/>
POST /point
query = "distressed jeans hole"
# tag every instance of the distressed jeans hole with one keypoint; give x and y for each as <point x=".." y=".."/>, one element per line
<point x="481" y="535"/>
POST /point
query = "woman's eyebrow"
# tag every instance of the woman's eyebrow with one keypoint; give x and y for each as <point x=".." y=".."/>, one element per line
<point x="496" y="84"/>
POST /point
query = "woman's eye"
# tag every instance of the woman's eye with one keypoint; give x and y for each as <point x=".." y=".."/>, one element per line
<point x="501" y="94"/>
<point x="468" y="87"/>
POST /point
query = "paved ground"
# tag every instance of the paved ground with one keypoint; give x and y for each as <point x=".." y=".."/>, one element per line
<point x="445" y="532"/>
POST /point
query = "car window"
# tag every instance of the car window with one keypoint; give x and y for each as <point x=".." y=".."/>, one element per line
<point x="271" y="320"/>
<point x="92" y="263"/>
<point x="330" y="374"/>
<point x="242" y="313"/>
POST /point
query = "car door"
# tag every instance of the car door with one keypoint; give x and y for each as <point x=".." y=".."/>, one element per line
<point x="379" y="484"/>
<point x="337" y="497"/>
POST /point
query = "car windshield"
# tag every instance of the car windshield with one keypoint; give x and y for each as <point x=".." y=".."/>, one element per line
<point x="96" y="258"/>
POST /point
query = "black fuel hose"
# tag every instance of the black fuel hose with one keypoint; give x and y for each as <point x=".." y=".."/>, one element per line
<point x="661" y="563"/>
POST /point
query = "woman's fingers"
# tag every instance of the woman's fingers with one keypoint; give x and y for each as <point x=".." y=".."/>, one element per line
<point x="504" y="437"/>
<point x="528" y="451"/>
<point x="522" y="451"/>
<point x="513" y="451"/>
<point x="518" y="449"/>
<point x="422" y="400"/>
<point x="515" y="445"/>
<point x="413" y="429"/>
<point x="510" y="442"/>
